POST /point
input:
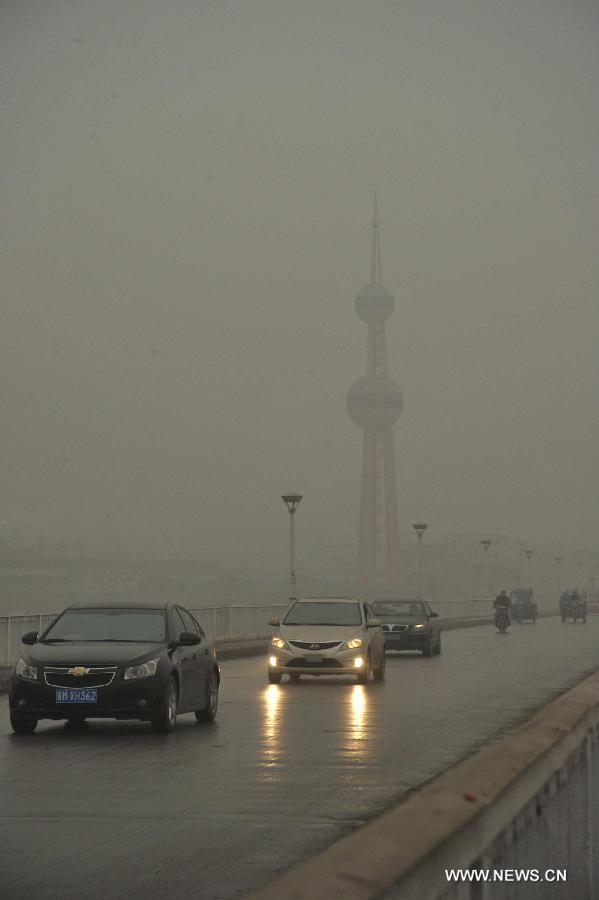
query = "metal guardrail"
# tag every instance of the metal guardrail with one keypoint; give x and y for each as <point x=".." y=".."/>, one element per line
<point x="221" y="623"/>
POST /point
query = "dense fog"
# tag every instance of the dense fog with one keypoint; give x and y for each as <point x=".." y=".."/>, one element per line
<point x="187" y="192"/>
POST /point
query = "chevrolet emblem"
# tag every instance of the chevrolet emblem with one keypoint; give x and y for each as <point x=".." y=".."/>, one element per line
<point x="78" y="670"/>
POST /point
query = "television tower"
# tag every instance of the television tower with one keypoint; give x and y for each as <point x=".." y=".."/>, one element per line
<point x="374" y="403"/>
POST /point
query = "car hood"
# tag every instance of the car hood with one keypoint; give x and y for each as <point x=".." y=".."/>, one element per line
<point x="319" y="633"/>
<point x="90" y="653"/>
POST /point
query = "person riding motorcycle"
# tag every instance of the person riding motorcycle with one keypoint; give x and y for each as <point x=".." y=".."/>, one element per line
<point x="502" y="602"/>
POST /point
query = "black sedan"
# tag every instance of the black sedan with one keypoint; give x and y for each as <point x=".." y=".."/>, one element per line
<point x="146" y="661"/>
<point x="409" y="624"/>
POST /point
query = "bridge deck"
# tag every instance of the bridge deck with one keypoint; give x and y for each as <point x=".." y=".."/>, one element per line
<point x="215" y="811"/>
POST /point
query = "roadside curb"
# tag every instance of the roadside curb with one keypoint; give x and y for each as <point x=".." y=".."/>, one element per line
<point x="239" y="649"/>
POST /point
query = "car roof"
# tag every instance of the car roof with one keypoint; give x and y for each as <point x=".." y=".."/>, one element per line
<point x="127" y="604"/>
<point x="329" y="600"/>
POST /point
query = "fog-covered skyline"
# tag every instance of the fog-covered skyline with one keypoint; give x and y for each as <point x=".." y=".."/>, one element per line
<point x="186" y="224"/>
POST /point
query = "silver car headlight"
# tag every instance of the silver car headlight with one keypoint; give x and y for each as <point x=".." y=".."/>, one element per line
<point x="419" y="627"/>
<point x="143" y="670"/>
<point x="278" y="642"/>
<point x="24" y="670"/>
<point x="354" y="643"/>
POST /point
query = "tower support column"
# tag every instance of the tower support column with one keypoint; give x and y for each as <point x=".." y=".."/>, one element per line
<point x="391" y="516"/>
<point x="367" y="537"/>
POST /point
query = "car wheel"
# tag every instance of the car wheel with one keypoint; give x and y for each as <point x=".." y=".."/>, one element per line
<point x="22" y="724"/>
<point x="295" y="677"/>
<point x="364" y="677"/>
<point x="274" y="677"/>
<point x="208" y="714"/>
<point x="437" y="650"/>
<point x="379" y="674"/>
<point x="166" y="721"/>
<point x="428" y="650"/>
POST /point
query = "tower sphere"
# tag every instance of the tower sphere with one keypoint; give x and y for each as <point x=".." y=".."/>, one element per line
<point x="374" y="402"/>
<point x="374" y="303"/>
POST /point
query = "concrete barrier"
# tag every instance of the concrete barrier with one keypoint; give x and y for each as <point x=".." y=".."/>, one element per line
<point x="526" y="801"/>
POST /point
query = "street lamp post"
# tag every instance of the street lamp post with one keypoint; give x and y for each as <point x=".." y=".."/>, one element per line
<point x="291" y="501"/>
<point x="558" y="560"/>
<point x="529" y="555"/>
<point x="485" y="544"/>
<point x="420" y="528"/>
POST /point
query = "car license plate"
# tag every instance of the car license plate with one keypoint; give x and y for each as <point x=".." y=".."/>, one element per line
<point x="316" y="659"/>
<point x="76" y="695"/>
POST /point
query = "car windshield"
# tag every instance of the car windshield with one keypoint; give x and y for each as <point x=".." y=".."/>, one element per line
<point x="112" y="624"/>
<point x="307" y="613"/>
<point x="384" y="608"/>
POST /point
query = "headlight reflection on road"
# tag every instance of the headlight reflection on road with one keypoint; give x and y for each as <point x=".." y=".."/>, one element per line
<point x="271" y="731"/>
<point x="358" y="713"/>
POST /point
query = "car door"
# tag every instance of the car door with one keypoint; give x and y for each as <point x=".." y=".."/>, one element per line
<point x="199" y="660"/>
<point x="186" y="665"/>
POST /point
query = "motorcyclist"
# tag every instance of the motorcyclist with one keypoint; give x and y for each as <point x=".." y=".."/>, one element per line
<point x="502" y="601"/>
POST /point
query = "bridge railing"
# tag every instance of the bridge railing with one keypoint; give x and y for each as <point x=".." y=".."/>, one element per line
<point x="221" y="623"/>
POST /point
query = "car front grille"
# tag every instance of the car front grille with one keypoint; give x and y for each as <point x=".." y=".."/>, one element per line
<point x="94" y="677"/>
<point x="315" y="645"/>
<point x="307" y="663"/>
<point x="391" y="628"/>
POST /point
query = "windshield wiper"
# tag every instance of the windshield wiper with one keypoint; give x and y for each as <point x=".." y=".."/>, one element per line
<point x="51" y="640"/>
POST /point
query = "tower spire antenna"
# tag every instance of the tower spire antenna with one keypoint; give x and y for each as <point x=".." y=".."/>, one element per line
<point x="376" y="272"/>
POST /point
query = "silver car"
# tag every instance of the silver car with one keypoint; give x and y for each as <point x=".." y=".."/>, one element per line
<point x="327" y="636"/>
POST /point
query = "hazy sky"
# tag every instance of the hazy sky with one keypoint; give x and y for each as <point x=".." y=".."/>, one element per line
<point x="187" y="199"/>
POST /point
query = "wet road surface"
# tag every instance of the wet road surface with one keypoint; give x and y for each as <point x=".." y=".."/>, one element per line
<point x="214" y="811"/>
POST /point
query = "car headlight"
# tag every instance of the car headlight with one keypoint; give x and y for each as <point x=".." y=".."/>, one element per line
<point x="354" y="643"/>
<point x="24" y="670"/>
<point x="418" y="627"/>
<point x="144" y="670"/>
<point x="278" y="642"/>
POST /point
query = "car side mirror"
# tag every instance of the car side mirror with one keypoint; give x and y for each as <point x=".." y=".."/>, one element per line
<point x="188" y="639"/>
<point x="373" y="623"/>
<point x="433" y="615"/>
<point x="275" y="623"/>
<point x="30" y="637"/>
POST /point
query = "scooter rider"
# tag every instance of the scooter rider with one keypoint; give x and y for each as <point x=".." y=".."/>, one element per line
<point x="502" y="601"/>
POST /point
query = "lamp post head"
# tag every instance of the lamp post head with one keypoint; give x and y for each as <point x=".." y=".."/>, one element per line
<point x="486" y="543"/>
<point x="529" y="553"/>
<point x="291" y="501"/>
<point x="558" y="559"/>
<point x="420" y="528"/>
